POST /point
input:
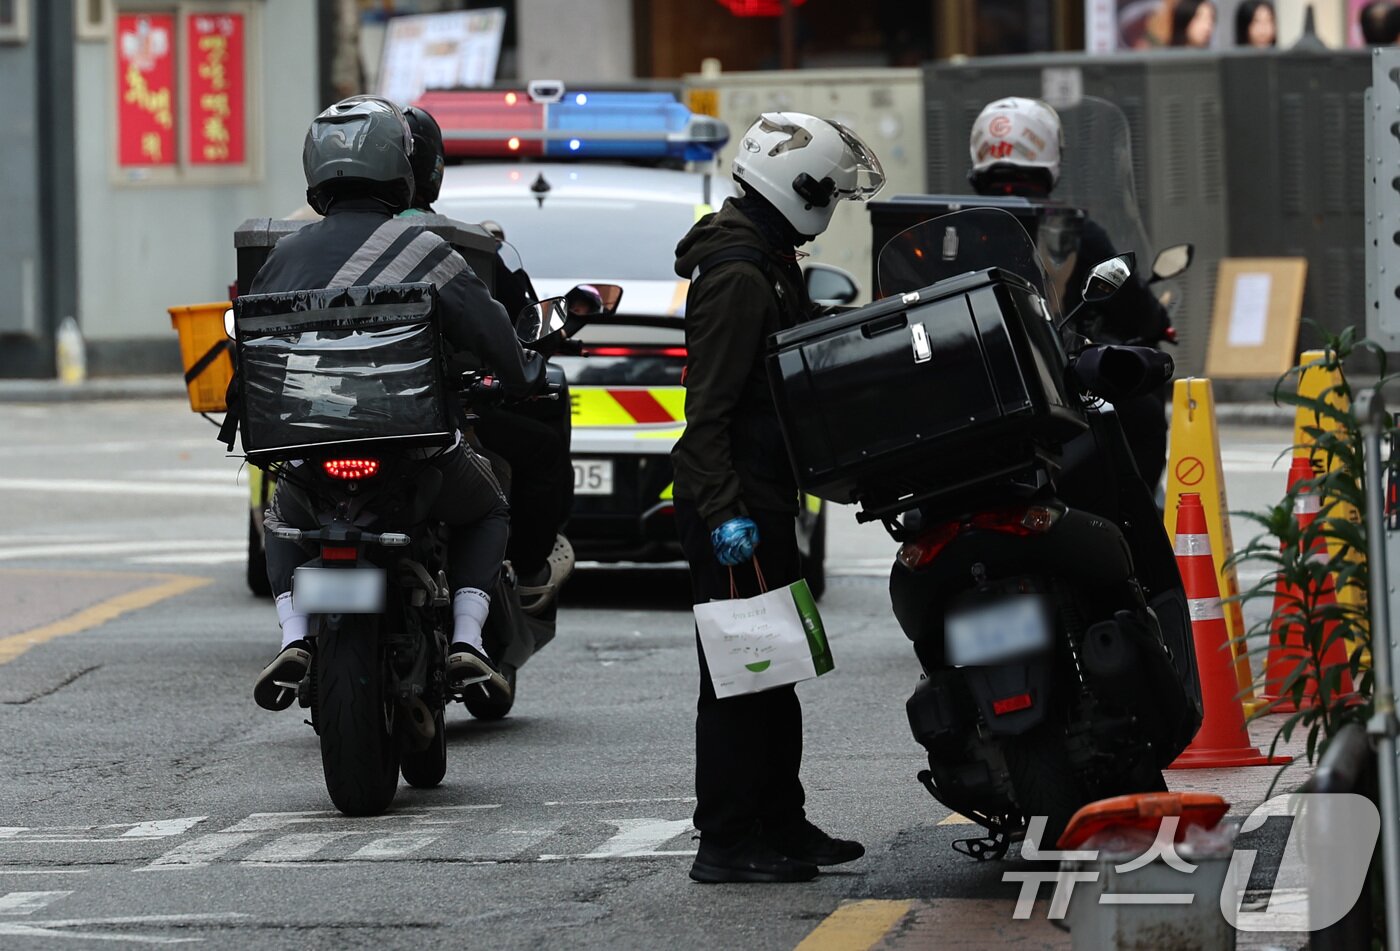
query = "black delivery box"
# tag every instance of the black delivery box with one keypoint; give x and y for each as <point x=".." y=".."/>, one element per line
<point x="942" y="388"/>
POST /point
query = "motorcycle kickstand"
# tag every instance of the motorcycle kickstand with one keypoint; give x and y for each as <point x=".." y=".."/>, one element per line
<point x="987" y="848"/>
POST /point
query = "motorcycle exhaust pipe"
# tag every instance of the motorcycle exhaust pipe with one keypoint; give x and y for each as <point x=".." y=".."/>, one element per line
<point x="422" y="719"/>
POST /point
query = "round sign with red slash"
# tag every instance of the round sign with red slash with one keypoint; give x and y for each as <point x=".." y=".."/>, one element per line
<point x="999" y="126"/>
<point x="1190" y="470"/>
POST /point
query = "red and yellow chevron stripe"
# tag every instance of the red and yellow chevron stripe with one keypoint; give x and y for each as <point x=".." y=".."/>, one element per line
<point x="628" y="405"/>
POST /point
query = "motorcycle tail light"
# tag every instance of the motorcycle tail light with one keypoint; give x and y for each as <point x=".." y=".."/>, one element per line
<point x="339" y="553"/>
<point x="350" y="469"/>
<point x="1032" y="520"/>
<point x="1022" y="701"/>
<point x="928" y="546"/>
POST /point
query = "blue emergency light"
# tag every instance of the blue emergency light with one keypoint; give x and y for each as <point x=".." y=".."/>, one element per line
<point x="573" y="124"/>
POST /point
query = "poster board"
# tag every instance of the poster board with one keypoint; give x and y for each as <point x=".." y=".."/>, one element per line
<point x="1254" y="324"/>
<point x="440" y="51"/>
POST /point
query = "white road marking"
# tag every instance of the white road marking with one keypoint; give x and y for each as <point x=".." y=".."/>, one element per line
<point x="162" y="828"/>
<point x="202" y="850"/>
<point x="26" y="903"/>
<point x="119" y="487"/>
<point x="145" y="446"/>
<point x="295" y="847"/>
<point x="43" y="871"/>
<point x="53" y="929"/>
<point x="116" y="548"/>
<point x="617" y="802"/>
<point x="182" y="474"/>
<point x="635" y="838"/>
<point x="392" y="847"/>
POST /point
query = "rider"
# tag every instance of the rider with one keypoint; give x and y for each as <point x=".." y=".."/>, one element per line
<point x="736" y="497"/>
<point x="358" y="174"/>
<point x="537" y="449"/>
<point x="1015" y="150"/>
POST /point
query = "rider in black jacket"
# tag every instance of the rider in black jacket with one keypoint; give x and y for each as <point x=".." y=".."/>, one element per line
<point x="358" y="174"/>
<point x="1015" y="148"/>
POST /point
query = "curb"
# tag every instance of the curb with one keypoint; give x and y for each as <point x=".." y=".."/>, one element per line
<point x="110" y="388"/>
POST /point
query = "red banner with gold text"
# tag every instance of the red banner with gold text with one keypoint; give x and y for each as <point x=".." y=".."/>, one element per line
<point x="215" y="83"/>
<point x="146" y="89"/>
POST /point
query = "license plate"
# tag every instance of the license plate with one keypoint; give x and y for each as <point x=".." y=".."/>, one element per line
<point x="593" y="477"/>
<point x="998" y="631"/>
<point x="338" y="590"/>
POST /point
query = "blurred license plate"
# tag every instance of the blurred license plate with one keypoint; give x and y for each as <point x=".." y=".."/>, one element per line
<point x="338" y="590"/>
<point x="998" y="631"/>
<point x="593" y="477"/>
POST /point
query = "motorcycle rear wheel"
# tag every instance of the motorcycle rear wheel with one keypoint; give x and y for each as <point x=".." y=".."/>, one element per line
<point x="359" y="755"/>
<point x="1044" y="780"/>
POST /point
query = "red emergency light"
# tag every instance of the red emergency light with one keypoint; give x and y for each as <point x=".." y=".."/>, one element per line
<point x="758" y="8"/>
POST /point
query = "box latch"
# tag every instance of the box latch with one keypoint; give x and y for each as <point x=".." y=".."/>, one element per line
<point x="923" y="351"/>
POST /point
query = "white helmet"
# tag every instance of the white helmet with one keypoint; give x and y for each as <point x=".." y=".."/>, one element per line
<point x="804" y="165"/>
<point x="1019" y="133"/>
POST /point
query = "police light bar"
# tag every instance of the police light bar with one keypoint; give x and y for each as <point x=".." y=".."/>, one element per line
<point x="547" y="120"/>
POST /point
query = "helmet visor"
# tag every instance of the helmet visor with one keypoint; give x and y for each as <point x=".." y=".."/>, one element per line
<point x="870" y="177"/>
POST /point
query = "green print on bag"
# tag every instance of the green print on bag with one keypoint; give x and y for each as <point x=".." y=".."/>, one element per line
<point x="812" y="623"/>
<point x="759" y="667"/>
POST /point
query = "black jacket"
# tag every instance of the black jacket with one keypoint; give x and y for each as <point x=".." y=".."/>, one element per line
<point x="730" y="458"/>
<point x="344" y="243"/>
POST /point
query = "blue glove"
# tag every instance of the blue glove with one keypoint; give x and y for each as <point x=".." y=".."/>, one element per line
<point x="734" y="541"/>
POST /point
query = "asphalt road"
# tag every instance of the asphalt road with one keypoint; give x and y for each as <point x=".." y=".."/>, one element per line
<point x="146" y="800"/>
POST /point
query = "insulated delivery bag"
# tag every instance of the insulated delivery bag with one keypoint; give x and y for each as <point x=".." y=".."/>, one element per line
<point x="353" y="366"/>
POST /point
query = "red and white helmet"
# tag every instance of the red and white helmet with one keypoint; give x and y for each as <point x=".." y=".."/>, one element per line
<point x="1019" y="133"/>
<point x="804" y="165"/>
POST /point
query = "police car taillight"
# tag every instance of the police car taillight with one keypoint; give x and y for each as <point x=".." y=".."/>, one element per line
<point x="551" y="121"/>
<point x="635" y="352"/>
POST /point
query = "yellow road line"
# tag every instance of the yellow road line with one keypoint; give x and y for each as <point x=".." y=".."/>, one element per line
<point x="955" y="819"/>
<point x="100" y="613"/>
<point x="856" y="926"/>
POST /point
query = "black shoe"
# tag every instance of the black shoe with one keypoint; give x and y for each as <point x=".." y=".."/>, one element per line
<point x="748" y="860"/>
<point x="804" y="842"/>
<point x="276" y="686"/>
<point x="467" y="665"/>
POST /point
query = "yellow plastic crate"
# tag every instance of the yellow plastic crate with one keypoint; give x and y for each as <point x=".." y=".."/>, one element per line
<point x="205" y="352"/>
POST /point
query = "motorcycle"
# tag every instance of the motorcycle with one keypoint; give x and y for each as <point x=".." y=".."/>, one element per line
<point x="375" y="586"/>
<point x="1044" y="604"/>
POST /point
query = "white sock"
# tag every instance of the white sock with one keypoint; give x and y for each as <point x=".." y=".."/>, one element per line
<point x="469" y="609"/>
<point x="294" y="625"/>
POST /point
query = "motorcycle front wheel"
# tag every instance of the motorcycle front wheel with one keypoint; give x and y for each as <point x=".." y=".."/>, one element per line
<point x="359" y="754"/>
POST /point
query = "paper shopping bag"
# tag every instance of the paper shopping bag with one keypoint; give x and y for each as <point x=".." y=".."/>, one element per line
<point x="771" y="640"/>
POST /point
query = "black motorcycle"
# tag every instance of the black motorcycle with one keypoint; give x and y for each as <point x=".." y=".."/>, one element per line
<point x="346" y="399"/>
<point x="1045" y="606"/>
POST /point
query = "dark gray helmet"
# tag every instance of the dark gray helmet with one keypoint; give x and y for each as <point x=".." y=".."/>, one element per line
<point x="359" y="146"/>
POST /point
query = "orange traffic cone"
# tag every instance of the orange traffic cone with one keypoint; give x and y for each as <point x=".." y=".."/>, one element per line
<point x="1222" y="739"/>
<point x="1286" y="650"/>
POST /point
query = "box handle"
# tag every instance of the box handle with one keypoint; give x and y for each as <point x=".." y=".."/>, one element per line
<point x="884" y="325"/>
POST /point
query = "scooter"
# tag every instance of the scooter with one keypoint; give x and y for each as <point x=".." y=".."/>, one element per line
<point x="1044" y="605"/>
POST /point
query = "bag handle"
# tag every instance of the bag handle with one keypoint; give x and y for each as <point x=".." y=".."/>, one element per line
<point x="758" y="573"/>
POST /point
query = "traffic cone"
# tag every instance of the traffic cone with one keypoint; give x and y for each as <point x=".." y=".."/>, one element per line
<point x="1222" y="739"/>
<point x="1286" y="649"/>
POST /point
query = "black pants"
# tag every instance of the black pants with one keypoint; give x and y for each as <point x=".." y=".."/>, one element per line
<point x="748" y="749"/>
<point x="541" y="482"/>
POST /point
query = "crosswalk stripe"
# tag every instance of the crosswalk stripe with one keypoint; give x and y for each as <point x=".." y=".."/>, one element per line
<point x="507" y="843"/>
<point x="26" y="903"/>
<point x="202" y="850"/>
<point x="392" y="846"/>
<point x="162" y="828"/>
<point x="120" y="487"/>
<point x="295" y="847"/>
<point x="636" y="838"/>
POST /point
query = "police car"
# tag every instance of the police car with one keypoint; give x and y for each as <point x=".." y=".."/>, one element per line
<point x="598" y="186"/>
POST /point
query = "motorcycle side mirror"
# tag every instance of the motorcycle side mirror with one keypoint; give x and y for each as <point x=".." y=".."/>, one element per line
<point x="540" y="320"/>
<point x="1118" y="373"/>
<point x="1108" y="277"/>
<point x="592" y="300"/>
<point x="228" y="325"/>
<point x="830" y="286"/>
<point x="1172" y="261"/>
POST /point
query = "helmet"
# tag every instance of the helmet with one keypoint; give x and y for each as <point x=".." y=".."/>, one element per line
<point x="1017" y="136"/>
<point x="428" y="155"/>
<point x="804" y="165"/>
<point x="360" y="145"/>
